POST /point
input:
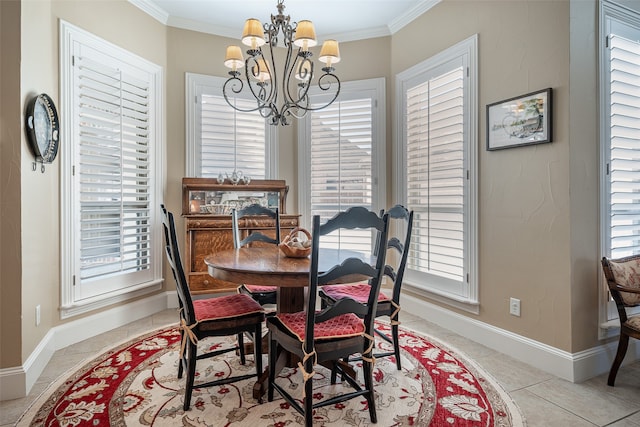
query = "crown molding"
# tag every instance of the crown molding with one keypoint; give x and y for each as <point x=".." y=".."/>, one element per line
<point x="163" y="17"/>
<point x="348" y="36"/>
<point x="203" y="27"/>
<point x="411" y="14"/>
<point x="151" y="9"/>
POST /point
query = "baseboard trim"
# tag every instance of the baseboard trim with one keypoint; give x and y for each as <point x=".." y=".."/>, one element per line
<point x="16" y="382"/>
<point x="574" y="367"/>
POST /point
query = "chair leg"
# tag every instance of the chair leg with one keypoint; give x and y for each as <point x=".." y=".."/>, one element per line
<point x="273" y="348"/>
<point x="396" y="344"/>
<point x="368" y="382"/>
<point x="181" y="358"/>
<point x="241" y="348"/>
<point x="257" y="349"/>
<point x="192" y="350"/>
<point x="346" y="362"/>
<point x="308" y="398"/>
<point x="622" y="350"/>
<point x="307" y="403"/>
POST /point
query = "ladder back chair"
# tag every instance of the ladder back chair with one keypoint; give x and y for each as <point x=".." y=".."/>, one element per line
<point x="387" y="306"/>
<point x="230" y="315"/>
<point x="623" y="278"/>
<point x="346" y="328"/>
<point x="262" y="294"/>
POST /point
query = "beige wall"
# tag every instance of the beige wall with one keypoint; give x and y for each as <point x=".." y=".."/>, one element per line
<point x="524" y="213"/>
<point x="10" y="142"/>
<point x="536" y="244"/>
<point x="40" y="195"/>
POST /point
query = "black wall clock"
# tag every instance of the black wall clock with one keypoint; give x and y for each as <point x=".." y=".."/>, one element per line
<point x="43" y="129"/>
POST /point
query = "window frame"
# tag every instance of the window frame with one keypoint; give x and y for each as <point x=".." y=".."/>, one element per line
<point x="608" y="11"/>
<point x="467" y="51"/>
<point x="375" y="88"/>
<point x="195" y="84"/>
<point x="71" y="305"/>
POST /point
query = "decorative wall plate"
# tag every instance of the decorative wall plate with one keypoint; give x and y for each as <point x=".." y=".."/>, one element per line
<point x="42" y="127"/>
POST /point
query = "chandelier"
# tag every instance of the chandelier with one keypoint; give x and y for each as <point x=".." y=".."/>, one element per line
<point x="260" y="78"/>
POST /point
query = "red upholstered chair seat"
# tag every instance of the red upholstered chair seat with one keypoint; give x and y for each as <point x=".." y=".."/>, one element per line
<point x="260" y="288"/>
<point x="358" y="292"/>
<point x="343" y="326"/>
<point x="225" y="307"/>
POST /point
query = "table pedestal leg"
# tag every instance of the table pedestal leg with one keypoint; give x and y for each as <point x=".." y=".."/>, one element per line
<point x="290" y="300"/>
<point x="260" y="387"/>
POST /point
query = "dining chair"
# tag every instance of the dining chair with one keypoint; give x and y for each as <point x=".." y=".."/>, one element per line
<point x="231" y="315"/>
<point x="387" y="306"/>
<point x="343" y="329"/>
<point x="262" y="294"/>
<point x="623" y="278"/>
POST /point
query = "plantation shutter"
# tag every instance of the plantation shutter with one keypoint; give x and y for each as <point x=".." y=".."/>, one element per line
<point x="231" y="139"/>
<point x="341" y="166"/>
<point x="624" y="168"/>
<point x="436" y="174"/>
<point x="112" y="169"/>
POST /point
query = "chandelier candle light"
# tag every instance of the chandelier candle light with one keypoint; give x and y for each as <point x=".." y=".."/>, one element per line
<point x="260" y="73"/>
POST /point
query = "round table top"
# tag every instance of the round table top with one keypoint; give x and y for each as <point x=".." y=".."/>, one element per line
<point x="271" y="265"/>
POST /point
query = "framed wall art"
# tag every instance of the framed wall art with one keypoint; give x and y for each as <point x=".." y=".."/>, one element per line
<point x="522" y="120"/>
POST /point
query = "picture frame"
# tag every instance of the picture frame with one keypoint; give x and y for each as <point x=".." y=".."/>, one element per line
<point x="521" y="120"/>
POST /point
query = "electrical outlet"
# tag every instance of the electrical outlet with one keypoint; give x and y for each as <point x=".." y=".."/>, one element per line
<point x="514" y="307"/>
<point x="37" y="315"/>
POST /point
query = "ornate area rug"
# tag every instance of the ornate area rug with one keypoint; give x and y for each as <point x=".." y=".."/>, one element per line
<point x="136" y="384"/>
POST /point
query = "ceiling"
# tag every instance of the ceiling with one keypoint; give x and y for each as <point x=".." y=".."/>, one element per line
<point x="343" y="20"/>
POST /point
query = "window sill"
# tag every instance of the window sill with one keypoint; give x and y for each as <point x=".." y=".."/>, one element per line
<point x="75" y="309"/>
<point x="464" y="304"/>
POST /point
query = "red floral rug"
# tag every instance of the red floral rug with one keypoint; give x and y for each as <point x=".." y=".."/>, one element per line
<point x="136" y="384"/>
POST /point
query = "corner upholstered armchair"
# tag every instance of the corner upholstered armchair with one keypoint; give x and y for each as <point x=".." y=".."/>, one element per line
<point x="623" y="278"/>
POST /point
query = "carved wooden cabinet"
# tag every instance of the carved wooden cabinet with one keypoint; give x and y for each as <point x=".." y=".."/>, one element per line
<point x="206" y="208"/>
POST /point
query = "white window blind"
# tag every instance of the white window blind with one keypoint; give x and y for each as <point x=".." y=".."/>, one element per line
<point x="619" y="45"/>
<point x="435" y="174"/>
<point x="624" y="166"/>
<point x="111" y="173"/>
<point x="220" y="138"/>
<point x="113" y="170"/>
<point x="231" y="139"/>
<point x="436" y="177"/>
<point x="341" y="166"/>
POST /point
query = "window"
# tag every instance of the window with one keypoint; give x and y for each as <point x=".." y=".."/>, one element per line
<point x="620" y="135"/>
<point x="220" y="138"/>
<point x="342" y="150"/>
<point x="111" y="173"/>
<point x="436" y="157"/>
<point x="621" y="105"/>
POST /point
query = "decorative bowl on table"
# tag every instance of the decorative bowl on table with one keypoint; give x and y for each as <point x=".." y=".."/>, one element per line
<point x="295" y="246"/>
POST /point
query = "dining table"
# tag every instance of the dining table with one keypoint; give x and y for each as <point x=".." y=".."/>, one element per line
<point x="269" y="266"/>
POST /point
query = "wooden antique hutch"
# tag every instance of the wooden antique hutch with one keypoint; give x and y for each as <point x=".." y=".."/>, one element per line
<point x="206" y="208"/>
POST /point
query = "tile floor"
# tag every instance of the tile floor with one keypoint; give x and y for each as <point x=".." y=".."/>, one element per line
<point x="545" y="400"/>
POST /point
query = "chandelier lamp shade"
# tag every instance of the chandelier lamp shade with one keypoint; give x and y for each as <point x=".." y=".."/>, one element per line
<point x="280" y="92"/>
